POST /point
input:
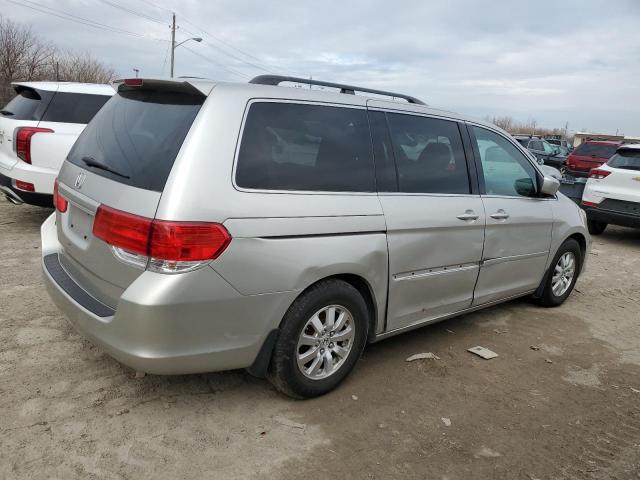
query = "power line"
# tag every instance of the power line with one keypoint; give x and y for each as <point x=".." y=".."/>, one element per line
<point x="270" y="68"/>
<point x="77" y="19"/>
<point x="134" y="12"/>
<point x="157" y="7"/>
<point x="224" y="67"/>
<point x="255" y="63"/>
<point x="164" y="62"/>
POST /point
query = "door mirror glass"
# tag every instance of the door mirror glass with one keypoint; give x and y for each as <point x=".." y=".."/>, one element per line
<point x="550" y="186"/>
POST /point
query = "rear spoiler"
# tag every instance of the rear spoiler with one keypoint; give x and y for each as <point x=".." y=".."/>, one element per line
<point x="187" y="86"/>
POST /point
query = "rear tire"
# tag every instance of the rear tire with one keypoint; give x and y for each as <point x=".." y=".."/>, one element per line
<point x="596" y="228"/>
<point x="562" y="275"/>
<point x="322" y="335"/>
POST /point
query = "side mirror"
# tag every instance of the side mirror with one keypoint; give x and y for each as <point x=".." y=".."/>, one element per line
<point x="549" y="171"/>
<point x="550" y="186"/>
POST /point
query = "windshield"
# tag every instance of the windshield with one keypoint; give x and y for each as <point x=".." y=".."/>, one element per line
<point x="548" y="148"/>
<point x="601" y="150"/>
<point x="135" y="138"/>
<point x="626" y="159"/>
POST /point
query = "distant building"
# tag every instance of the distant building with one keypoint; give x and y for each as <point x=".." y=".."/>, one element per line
<point x="580" y="137"/>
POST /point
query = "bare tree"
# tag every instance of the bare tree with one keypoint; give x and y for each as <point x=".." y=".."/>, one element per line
<point x="23" y="56"/>
<point x="530" y="127"/>
<point x="81" y="67"/>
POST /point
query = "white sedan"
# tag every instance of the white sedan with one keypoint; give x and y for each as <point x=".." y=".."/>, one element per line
<point x="612" y="193"/>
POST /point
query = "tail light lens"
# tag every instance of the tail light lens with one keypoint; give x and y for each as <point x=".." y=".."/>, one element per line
<point x="26" y="186"/>
<point x="599" y="173"/>
<point x="23" y="141"/>
<point x="124" y="230"/>
<point x="170" y="247"/>
<point x="59" y="201"/>
<point x="590" y="204"/>
<point x="133" y="82"/>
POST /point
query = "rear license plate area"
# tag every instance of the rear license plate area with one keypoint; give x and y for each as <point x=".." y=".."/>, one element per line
<point x="79" y="226"/>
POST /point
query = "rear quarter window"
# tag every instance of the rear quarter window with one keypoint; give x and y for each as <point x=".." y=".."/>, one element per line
<point x="74" y="107"/>
<point x="288" y="146"/>
<point x="28" y="104"/>
<point x="626" y="159"/>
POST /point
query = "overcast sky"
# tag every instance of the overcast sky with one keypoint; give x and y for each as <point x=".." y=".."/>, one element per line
<point x="552" y="61"/>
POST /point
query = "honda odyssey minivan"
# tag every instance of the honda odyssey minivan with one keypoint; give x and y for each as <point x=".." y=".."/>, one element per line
<point x="204" y="226"/>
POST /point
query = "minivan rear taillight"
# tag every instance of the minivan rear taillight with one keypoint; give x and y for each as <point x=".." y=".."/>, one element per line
<point x="171" y="247"/>
<point x="59" y="202"/>
<point x="23" y="141"/>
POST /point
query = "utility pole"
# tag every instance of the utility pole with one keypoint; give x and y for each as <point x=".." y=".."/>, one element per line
<point x="173" y="40"/>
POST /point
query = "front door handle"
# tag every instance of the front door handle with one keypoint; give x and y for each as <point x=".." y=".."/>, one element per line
<point x="500" y="215"/>
<point x="468" y="215"/>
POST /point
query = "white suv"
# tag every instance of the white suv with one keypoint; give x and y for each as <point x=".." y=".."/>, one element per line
<point x="37" y="129"/>
<point x="612" y="193"/>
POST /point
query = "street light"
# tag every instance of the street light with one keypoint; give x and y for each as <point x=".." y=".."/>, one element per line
<point x="175" y="45"/>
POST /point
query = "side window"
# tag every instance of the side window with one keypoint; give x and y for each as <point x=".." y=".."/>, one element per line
<point x="505" y="169"/>
<point x="429" y="155"/>
<point x="536" y="145"/>
<point x="74" y="107"/>
<point x="288" y="146"/>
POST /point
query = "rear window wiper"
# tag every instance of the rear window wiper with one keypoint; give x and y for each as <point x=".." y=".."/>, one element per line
<point x="92" y="162"/>
<point x="6" y="112"/>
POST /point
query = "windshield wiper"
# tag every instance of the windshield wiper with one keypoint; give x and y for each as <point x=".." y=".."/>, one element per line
<point x="6" y="112"/>
<point x="92" y="162"/>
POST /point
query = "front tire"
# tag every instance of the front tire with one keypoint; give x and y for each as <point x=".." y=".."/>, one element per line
<point x="596" y="228"/>
<point x="562" y="275"/>
<point x="321" y="338"/>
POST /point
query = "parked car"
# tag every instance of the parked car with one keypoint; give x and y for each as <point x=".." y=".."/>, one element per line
<point x="562" y="144"/>
<point x="612" y="193"/>
<point x="542" y="150"/>
<point x="37" y="129"/>
<point x="206" y="226"/>
<point x="588" y="155"/>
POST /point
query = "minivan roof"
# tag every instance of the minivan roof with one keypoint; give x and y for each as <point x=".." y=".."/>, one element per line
<point x="69" y="87"/>
<point x="253" y="90"/>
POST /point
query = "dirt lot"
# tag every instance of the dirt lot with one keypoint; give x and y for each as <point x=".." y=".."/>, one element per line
<point x="567" y="408"/>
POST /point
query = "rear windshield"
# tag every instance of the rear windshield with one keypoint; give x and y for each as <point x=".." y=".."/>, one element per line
<point x="626" y="159"/>
<point x="596" y="150"/>
<point x="135" y="138"/>
<point x="74" y="107"/>
<point x="28" y="104"/>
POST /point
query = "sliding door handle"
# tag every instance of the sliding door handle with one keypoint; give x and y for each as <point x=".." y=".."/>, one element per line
<point x="469" y="215"/>
<point x="500" y="215"/>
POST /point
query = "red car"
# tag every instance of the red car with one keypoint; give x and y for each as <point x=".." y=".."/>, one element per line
<point x="588" y="155"/>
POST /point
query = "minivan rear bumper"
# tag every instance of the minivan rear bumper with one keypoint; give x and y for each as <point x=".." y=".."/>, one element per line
<point x="170" y="324"/>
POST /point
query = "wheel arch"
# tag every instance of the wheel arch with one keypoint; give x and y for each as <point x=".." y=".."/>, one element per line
<point x="260" y="366"/>
<point x="582" y="242"/>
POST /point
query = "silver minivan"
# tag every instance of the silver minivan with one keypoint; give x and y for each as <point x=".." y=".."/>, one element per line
<point x="204" y="226"/>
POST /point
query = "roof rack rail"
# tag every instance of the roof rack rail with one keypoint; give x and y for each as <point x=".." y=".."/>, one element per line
<point x="348" y="89"/>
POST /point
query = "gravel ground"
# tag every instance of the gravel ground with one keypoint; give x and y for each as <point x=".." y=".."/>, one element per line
<point x="562" y="400"/>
